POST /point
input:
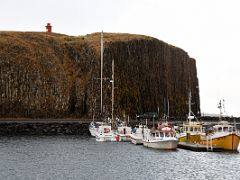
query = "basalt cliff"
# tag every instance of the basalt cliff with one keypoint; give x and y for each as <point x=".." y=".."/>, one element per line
<point x="49" y="75"/>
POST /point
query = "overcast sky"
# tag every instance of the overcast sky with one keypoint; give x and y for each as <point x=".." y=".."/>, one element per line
<point x="207" y="29"/>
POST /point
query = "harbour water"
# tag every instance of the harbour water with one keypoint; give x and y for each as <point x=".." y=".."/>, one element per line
<point x="81" y="157"/>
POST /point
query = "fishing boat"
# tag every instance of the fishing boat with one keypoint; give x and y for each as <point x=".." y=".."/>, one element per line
<point x="137" y="135"/>
<point x="191" y="131"/>
<point x="165" y="139"/>
<point x="222" y="135"/>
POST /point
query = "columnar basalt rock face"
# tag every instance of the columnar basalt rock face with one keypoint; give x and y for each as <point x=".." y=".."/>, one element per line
<point x="53" y="75"/>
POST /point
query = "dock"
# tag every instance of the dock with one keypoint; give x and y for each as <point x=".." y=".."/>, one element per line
<point x="199" y="147"/>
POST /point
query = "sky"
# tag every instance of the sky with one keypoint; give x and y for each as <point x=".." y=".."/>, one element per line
<point x="209" y="30"/>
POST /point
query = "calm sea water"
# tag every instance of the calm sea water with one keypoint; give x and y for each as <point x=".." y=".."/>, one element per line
<point x="77" y="157"/>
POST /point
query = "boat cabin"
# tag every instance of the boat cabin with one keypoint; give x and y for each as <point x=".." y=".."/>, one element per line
<point x="223" y="126"/>
<point x="192" y="128"/>
<point x="164" y="133"/>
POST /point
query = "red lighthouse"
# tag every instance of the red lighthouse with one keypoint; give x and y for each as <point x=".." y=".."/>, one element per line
<point x="49" y="27"/>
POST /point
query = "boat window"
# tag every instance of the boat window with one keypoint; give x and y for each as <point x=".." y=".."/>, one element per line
<point x="234" y="129"/>
<point x="230" y="129"/>
<point x="219" y="129"/>
<point x="161" y="134"/>
<point x="184" y="129"/>
<point x="166" y="134"/>
<point x="191" y="128"/>
<point x="225" y="129"/>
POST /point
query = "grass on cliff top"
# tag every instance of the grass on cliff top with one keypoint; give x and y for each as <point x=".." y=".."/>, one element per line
<point x="92" y="39"/>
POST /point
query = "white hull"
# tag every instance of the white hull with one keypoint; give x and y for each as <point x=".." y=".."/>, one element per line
<point x="136" y="139"/>
<point x="106" y="138"/>
<point x="93" y="131"/>
<point x="104" y="133"/>
<point x="161" y="144"/>
<point x="93" y="127"/>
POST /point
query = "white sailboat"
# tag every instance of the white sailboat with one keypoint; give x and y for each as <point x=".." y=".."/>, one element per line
<point x="93" y="127"/>
<point x="104" y="131"/>
<point x="123" y="131"/>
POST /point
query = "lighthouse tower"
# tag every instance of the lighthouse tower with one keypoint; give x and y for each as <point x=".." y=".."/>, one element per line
<point x="49" y="27"/>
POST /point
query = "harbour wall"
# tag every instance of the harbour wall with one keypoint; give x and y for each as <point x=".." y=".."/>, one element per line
<point x="44" y="128"/>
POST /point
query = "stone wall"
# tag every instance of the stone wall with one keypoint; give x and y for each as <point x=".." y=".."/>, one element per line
<point x="23" y="128"/>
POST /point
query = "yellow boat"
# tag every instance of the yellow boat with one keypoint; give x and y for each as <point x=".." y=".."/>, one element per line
<point x="190" y="131"/>
<point x="224" y="136"/>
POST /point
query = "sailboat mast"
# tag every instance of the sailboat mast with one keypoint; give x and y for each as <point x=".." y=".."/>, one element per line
<point x="113" y="124"/>
<point x="101" y="73"/>
<point x="168" y="108"/>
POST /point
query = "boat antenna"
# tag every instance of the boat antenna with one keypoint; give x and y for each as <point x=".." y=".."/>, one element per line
<point x="220" y="109"/>
<point x="224" y="108"/>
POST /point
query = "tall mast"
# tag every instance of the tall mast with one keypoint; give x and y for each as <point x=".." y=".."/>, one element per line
<point x="168" y="109"/>
<point x="101" y="73"/>
<point x="113" y="123"/>
<point x="189" y="104"/>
